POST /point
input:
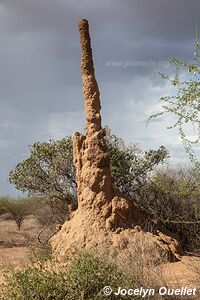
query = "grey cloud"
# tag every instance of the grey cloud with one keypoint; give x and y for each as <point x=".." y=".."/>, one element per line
<point x="40" y="81"/>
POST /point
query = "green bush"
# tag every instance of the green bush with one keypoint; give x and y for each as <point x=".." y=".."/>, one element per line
<point x="82" y="280"/>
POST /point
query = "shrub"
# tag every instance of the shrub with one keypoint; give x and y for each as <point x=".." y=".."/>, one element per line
<point x="83" y="280"/>
<point x="4" y="205"/>
<point x="130" y="165"/>
<point x="172" y="197"/>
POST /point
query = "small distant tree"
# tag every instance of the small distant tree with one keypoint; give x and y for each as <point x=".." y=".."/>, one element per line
<point x="18" y="209"/>
<point x="21" y="208"/>
<point x="49" y="170"/>
<point x="184" y="105"/>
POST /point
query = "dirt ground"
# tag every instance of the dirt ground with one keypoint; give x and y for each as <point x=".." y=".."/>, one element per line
<point x="15" y="251"/>
<point x="13" y="257"/>
<point x="17" y="246"/>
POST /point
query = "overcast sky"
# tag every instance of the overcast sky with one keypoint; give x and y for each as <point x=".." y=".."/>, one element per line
<point x="40" y="81"/>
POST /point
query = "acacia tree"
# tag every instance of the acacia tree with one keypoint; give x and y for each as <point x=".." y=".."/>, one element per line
<point x="184" y="105"/>
<point x="49" y="170"/>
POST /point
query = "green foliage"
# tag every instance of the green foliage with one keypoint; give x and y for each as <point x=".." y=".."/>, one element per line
<point x="83" y="280"/>
<point x="49" y="170"/>
<point x="130" y="165"/>
<point x="88" y="274"/>
<point x="184" y="105"/>
<point x="172" y="197"/>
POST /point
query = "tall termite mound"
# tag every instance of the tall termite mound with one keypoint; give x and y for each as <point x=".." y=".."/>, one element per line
<point x="104" y="217"/>
<point x="91" y="158"/>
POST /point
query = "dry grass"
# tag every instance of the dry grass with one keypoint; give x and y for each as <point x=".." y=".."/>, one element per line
<point x="152" y="270"/>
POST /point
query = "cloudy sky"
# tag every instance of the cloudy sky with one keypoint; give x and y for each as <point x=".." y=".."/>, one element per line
<point x="40" y="80"/>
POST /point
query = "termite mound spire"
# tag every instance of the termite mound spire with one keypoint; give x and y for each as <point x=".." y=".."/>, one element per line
<point x="91" y="156"/>
<point x="105" y="219"/>
<point x="90" y="86"/>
